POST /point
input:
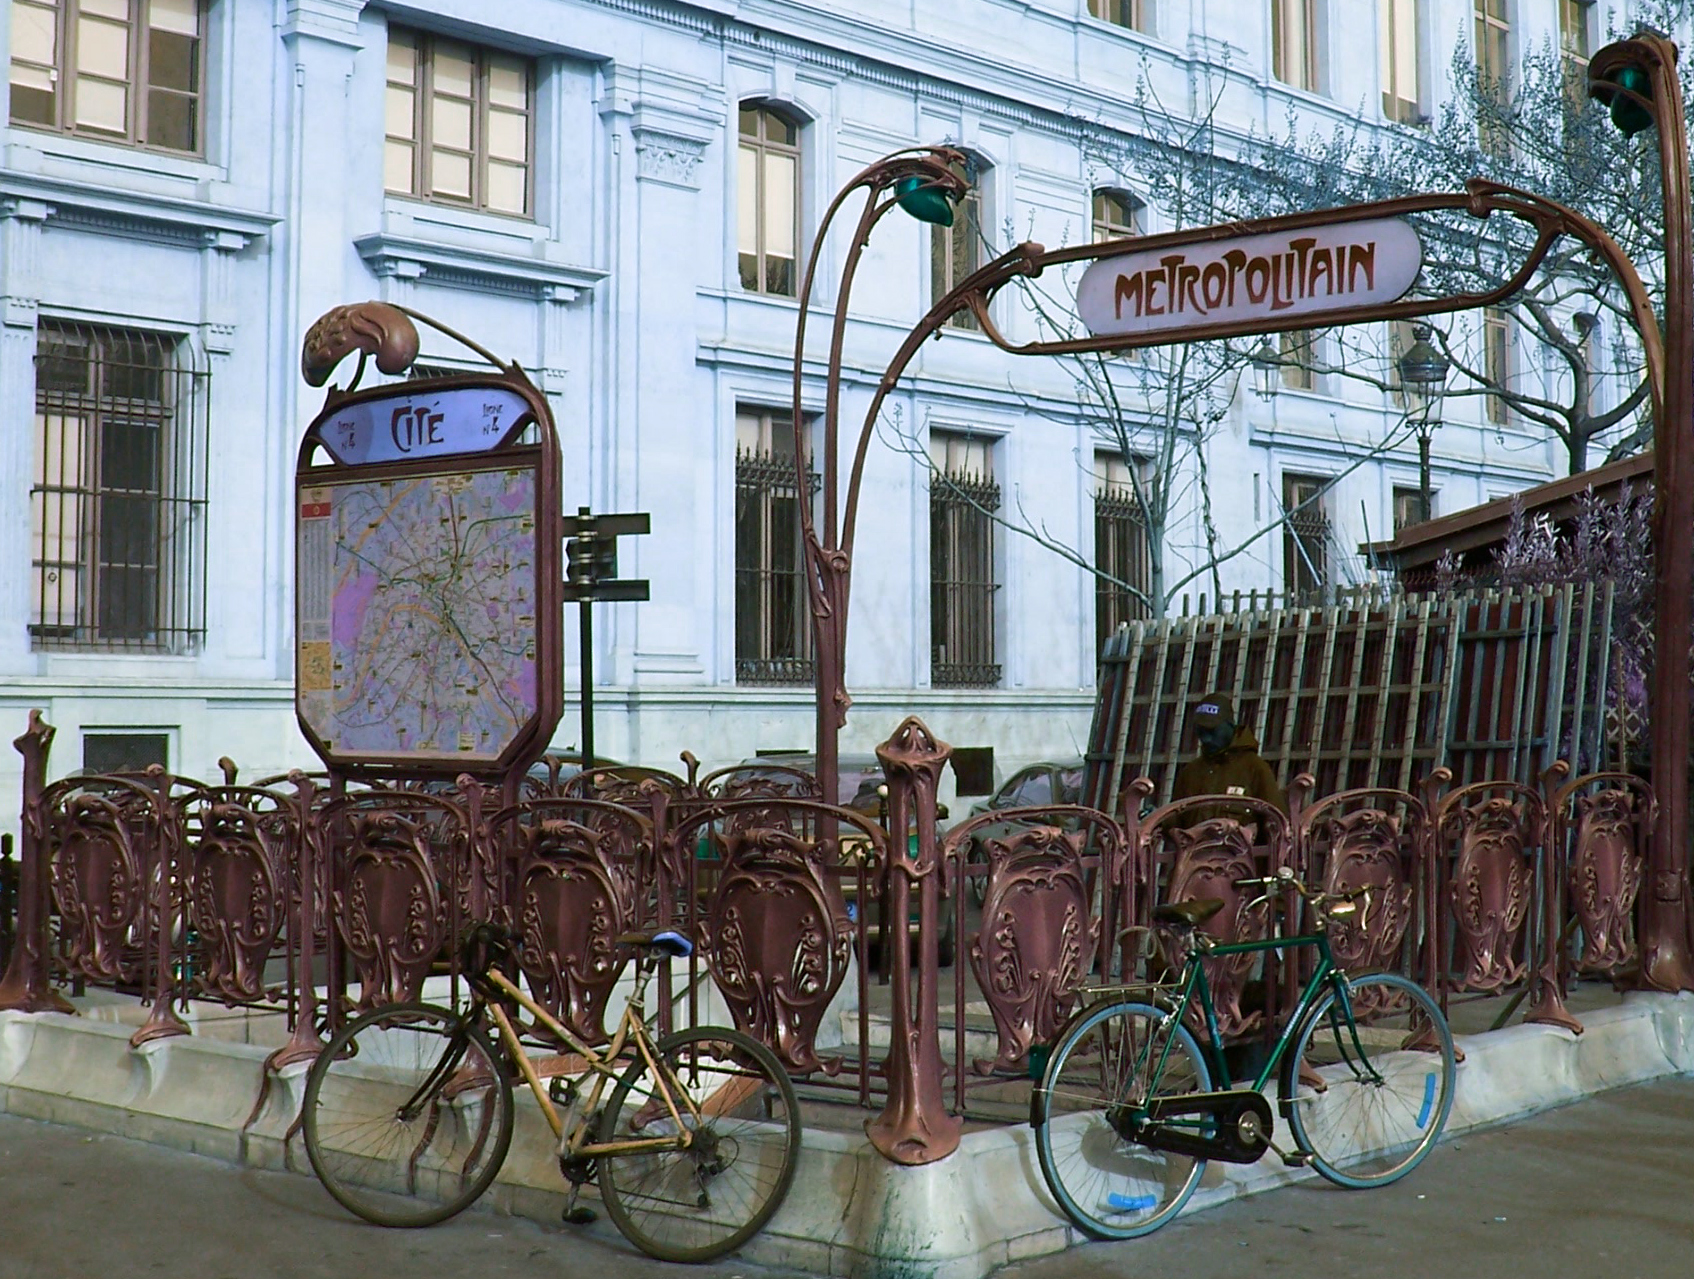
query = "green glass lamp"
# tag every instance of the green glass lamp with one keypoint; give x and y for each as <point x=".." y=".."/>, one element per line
<point x="923" y="200"/>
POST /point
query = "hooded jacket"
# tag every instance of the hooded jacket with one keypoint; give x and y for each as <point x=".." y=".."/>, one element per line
<point x="1235" y="770"/>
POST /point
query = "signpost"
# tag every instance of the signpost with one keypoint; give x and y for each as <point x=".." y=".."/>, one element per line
<point x="593" y="557"/>
<point x="427" y="600"/>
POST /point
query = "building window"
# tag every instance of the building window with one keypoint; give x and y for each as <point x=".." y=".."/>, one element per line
<point x="1120" y="13"/>
<point x="459" y="123"/>
<point x="1493" y="40"/>
<point x="1575" y="48"/>
<point x="104" y="753"/>
<point x="955" y="251"/>
<point x="1497" y="360"/>
<point x="1305" y="533"/>
<point x="768" y="202"/>
<point x="1408" y="507"/>
<point x="1398" y="60"/>
<point x="773" y="620"/>
<point x="1120" y="549"/>
<point x="1299" y="353"/>
<point x="119" y="491"/>
<point x="1294" y="46"/>
<point x="124" y="70"/>
<point x="962" y="499"/>
<point x="1116" y="216"/>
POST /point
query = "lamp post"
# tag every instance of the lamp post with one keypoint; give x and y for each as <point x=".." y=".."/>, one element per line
<point x="1423" y="372"/>
<point x="1267" y="368"/>
<point x="1637" y="79"/>
<point x="926" y="183"/>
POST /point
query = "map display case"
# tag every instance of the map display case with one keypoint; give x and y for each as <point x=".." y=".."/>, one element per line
<point x="428" y="570"/>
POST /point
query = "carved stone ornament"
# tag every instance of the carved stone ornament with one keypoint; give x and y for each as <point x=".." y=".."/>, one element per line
<point x="778" y="940"/>
<point x="668" y="158"/>
<point x="1038" y="932"/>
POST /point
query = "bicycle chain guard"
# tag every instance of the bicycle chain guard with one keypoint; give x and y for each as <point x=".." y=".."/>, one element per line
<point x="1240" y="1132"/>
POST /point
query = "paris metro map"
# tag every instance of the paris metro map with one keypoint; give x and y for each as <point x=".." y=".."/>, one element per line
<point x="417" y="629"/>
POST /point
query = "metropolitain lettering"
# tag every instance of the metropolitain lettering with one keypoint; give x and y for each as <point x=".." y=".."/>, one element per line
<point x="1276" y="281"/>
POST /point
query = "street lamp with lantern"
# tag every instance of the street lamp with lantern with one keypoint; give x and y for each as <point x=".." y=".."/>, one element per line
<point x="1267" y="369"/>
<point x="1423" y="372"/>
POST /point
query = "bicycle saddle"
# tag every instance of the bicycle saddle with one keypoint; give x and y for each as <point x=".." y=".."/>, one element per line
<point x="1191" y="913"/>
<point x="667" y="942"/>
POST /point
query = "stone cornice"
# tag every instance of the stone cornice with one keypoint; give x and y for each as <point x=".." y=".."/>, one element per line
<point x="114" y="211"/>
<point x="485" y="270"/>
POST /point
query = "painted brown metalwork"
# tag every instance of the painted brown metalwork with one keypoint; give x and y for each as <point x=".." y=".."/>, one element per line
<point x="238" y="887"/>
<point x="778" y="937"/>
<point x="1603" y="827"/>
<point x="27" y="985"/>
<point x="1181" y="862"/>
<point x="392" y="853"/>
<point x="370" y="328"/>
<point x="1667" y="913"/>
<point x="914" y="1126"/>
<point x="1039" y="936"/>
<point x="1374" y="839"/>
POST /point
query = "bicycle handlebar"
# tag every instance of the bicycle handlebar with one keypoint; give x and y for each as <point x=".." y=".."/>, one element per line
<point x="1332" y="904"/>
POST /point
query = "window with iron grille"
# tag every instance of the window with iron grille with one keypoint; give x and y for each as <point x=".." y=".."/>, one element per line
<point x="124" y="70"/>
<point x="962" y="585"/>
<point x="955" y="251"/>
<point x="773" y="620"/>
<point x="1305" y="534"/>
<point x="119" y="491"/>
<point x="459" y="123"/>
<point x="1120" y="548"/>
<point x="767" y="201"/>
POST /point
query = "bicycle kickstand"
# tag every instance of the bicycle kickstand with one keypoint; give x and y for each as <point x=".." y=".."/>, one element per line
<point x="575" y="1215"/>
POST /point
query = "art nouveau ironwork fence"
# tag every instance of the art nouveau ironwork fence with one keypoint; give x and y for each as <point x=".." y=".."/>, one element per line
<point x="318" y="900"/>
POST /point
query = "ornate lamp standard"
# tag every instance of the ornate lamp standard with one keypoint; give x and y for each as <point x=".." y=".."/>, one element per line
<point x="926" y="183"/>
<point x="1637" y="79"/>
<point x="1423" y="372"/>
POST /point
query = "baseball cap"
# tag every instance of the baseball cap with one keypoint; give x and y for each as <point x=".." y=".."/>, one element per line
<point x="1213" y="708"/>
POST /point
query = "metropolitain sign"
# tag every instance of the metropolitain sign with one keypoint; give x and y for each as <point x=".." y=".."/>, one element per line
<point x="1274" y="276"/>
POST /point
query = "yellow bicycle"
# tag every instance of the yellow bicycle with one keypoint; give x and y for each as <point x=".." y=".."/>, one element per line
<point x="408" y="1112"/>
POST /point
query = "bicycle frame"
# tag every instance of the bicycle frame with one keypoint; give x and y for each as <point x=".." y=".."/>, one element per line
<point x="632" y="1028"/>
<point x="1327" y="973"/>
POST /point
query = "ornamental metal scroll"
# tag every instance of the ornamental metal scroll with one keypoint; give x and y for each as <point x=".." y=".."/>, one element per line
<point x="1206" y="860"/>
<point x="1489" y="837"/>
<point x="1043" y="869"/>
<point x="394" y="851"/>
<point x="1375" y="839"/>
<point x="1603" y="827"/>
<point x="774" y="927"/>
<point x="239" y="886"/>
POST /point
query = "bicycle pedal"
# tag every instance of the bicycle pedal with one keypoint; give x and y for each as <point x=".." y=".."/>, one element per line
<point x="1296" y="1158"/>
<point x="580" y="1216"/>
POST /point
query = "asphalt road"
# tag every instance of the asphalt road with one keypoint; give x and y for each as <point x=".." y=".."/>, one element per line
<point x="1605" y="1188"/>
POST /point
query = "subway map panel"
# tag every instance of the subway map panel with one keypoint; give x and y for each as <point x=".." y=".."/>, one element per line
<point x="417" y="615"/>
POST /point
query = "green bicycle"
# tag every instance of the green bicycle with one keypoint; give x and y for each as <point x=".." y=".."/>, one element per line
<point x="1126" y="1113"/>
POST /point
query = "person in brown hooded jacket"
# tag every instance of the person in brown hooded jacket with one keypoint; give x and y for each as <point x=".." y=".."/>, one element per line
<point x="1228" y="764"/>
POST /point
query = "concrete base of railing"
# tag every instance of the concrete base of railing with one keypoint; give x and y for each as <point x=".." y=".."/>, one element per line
<point x="850" y="1212"/>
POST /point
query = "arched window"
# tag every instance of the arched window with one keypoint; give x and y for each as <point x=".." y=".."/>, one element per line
<point x="955" y="251"/>
<point x="1116" y="215"/>
<point x="768" y="201"/>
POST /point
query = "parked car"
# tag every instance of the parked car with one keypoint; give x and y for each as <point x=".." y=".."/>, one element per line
<point x="1033" y="786"/>
<point x="864" y="789"/>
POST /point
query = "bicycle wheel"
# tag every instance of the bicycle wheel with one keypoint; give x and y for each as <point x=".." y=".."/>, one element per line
<point x="1107" y="1184"/>
<point x="700" y="1202"/>
<point x="408" y="1114"/>
<point x="1386" y="1091"/>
